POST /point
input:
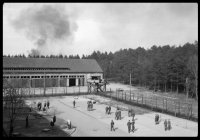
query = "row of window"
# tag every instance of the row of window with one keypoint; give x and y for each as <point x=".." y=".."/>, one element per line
<point x="36" y="68"/>
<point x="62" y="76"/>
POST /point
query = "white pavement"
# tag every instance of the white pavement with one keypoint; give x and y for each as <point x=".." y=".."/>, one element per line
<point x="97" y="123"/>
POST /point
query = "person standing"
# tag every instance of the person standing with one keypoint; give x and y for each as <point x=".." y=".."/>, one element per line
<point x="27" y="122"/>
<point x="74" y="103"/>
<point x="54" y="119"/>
<point x="133" y="125"/>
<point x="48" y="104"/>
<point x="129" y="126"/>
<point x="165" y="124"/>
<point x="52" y="124"/>
<point x="169" y="124"/>
<point x="45" y="104"/>
<point x="112" y="125"/>
<point x="109" y="110"/>
<point x="69" y="124"/>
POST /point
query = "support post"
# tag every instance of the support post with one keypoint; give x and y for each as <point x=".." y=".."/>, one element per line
<point x="179" y="108"/>
<point x="156" y="103"/>
<point x="191" y="111"/>
<point x="163" y="106"/>
<point x="175" y="108"/>
<point x="166" y="105"/>
<point x="142" y="100"/>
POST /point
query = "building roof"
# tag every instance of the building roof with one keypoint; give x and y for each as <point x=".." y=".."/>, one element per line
<point x="74" y="65"/>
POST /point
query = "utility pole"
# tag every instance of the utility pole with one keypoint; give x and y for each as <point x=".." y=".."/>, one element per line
<point x="44" y="82"/>
<point x="130" y="86"/>
<point x="187" y="88"/>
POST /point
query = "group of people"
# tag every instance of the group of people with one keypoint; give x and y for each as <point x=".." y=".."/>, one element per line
<point x="108" y="110"/>
<point x="131" y="124"/>
<point x="39" y="105"/>
<point x="167" y="124"/>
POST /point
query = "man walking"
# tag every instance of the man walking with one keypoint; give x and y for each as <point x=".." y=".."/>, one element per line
<point x="112" y="125"/>
<point x="74" y="103"/>
<point x="45" y="104"/>
<point x="129" y="126"/>
<point x="54" y="119"/>
<point x="109" y="110"/>
<point x="27" y="122"/>
<point x="165" y="124"/>
<point x="169" y="124"/>
<point x="133" y="125"/>
<point x="48" y="104"/>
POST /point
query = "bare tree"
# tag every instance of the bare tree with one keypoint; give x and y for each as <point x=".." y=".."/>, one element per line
<point x="193" y="67"/>
<point x="13" y="101"/>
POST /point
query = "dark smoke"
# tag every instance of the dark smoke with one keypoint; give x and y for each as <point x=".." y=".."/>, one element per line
<point x="44" y="25"/>
<point x="34" y="52"/>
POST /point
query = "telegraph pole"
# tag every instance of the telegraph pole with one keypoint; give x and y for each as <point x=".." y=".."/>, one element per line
<point x="44" y="82"/>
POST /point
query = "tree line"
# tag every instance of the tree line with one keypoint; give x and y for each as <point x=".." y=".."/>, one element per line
<point x="162" y="68"/>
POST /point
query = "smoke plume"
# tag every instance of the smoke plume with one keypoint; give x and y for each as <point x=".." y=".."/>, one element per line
<point x="45" y="25"/>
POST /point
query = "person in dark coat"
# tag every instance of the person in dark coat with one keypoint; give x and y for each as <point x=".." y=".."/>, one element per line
<point x="165" y="124"/>
<point x="133" y="126"/>
<point x="52" y="124"/>
<point x="156" y="119"/>
<point x="27" y="122"/>
<point x="54" y="119"/>
<point x="169" y="124"/>
<point x="109" y="110"/>
<point x="38" y="105"/>
<point x="116" y="113"/>
<point x="129" y="126"/>
<point x="74" y="103"/>
<point x="45" y="104"/>
<point x="48" y="103"/>
<point x="106" y="109"/>
<point x="112" y="126"/>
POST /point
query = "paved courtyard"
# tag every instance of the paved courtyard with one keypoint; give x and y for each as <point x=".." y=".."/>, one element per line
<point x="97" y="123"/>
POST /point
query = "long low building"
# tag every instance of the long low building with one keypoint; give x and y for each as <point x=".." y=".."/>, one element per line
<point x="50" y="72"/>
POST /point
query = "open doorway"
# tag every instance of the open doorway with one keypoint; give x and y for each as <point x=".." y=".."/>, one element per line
<point x="72" y="82"/>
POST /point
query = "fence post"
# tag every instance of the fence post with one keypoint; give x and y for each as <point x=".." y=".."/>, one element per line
<point x="110" y="92"/>
<point x="166" y="105"/>
<point x="116" y="94"/>
<point x="175" y="108"/>
<point x="179" y="108"/>
<point x="188" y="112"/>
<point x="191" y="110"/>
<point x="133" y="98"/>
<point x="156" y="103"/>
<point x="163" y="106"/>
<point x="142" y="100"/>
<point x="130" y="95"/>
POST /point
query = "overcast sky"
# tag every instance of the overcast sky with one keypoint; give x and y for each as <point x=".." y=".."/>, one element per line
<point x="81" y="28"/>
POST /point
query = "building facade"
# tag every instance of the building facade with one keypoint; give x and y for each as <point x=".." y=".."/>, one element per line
<point x="50" y="72"/>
